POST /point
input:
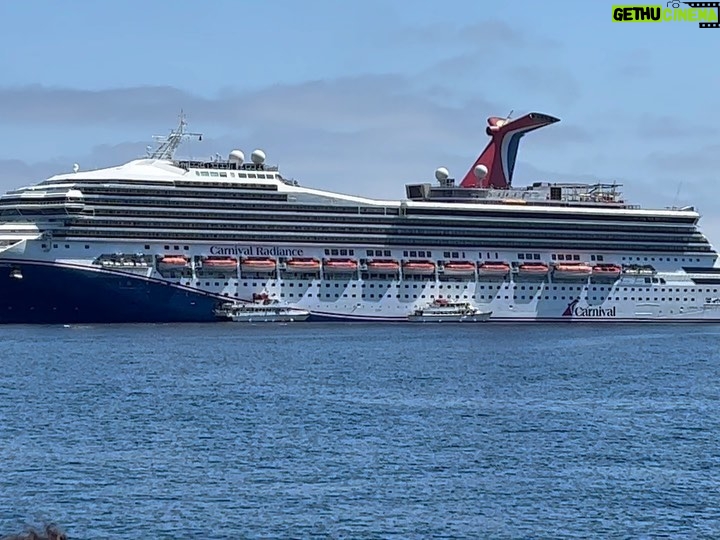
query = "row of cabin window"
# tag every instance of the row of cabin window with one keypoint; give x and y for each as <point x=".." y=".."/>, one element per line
<point x="387" y="253"/>
<point x="340" y="252"/>
<point x="359" y="230"/>
<point x="232" y="174"/>
<point x="490" y="288"/>
<point x="82" y="232"/>
<point x="457" y="296"/>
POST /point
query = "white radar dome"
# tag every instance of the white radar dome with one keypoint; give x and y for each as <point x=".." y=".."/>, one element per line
<point x="236" y="156"/>
<point x="442" y="174"/>
<point x="480" y="171"/>
<point x="258" y="157"/>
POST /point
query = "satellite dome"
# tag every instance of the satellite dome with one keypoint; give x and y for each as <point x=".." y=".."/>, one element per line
<point x="480" y="171"/>
<point x="442" y="174"/>
<point x="258" y="157"/>
<point x="236" y="156"/>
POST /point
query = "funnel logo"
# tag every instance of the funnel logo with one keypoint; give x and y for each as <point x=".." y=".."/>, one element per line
<point x="574" y="310"/>
<point x="706" y="14"/>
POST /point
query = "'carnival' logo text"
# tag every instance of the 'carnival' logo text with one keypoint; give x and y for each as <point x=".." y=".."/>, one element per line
<point x="573" y="310"/>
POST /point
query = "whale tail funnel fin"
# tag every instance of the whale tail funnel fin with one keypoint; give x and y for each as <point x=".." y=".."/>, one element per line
<point x="495" y="165"/>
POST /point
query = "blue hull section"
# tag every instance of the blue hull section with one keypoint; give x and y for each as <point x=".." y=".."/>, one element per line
<point x="59" y="295"/>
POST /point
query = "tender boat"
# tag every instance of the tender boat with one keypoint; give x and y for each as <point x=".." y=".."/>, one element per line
<point x="418" y="268"/>
<point x="572" y="270"/>
<point x="442" y="310"/>
<point x="383" y="266"/>
<point x="172" y="262"/>
<point x="610" y="271"/>
<point x="459" y="268"/>
<point x="339" y="266"/>
<point x="260" y="311"/>
<point x="306" y="266"/>
<point x="533" y="269"/>
<point x="227" y="264"/>
<point x="498" y="269"/>
<point x="264" y="265"/>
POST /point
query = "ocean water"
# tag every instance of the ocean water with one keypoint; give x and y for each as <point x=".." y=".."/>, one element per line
<point x="361" y="431"/>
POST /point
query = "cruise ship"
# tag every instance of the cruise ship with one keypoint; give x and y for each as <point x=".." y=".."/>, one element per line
<point x="164" y="239"/>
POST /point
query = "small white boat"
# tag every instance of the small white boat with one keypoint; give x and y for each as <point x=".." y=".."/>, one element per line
<point x="268" y="311"/>
<point x="442" y="310"/>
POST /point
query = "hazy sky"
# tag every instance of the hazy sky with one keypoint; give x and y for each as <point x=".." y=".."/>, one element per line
<point x="362" y="97"/>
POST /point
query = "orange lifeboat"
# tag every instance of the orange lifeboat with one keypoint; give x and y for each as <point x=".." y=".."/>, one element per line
<point x="572" y="270"/>
<point x="497" y="269"/>
<point x="606" y="270"/>
<point x="172" y="262"/>
<point x="220" y="263"/>
<point x="418" y="268"/>
<point x="383" y="266"/>
<point x="252" y="264"/>
<point x="533" y="269"/>
<point x="303" y="265"/>
<point x="459" y="268"/>
<point x="339" y="266"/>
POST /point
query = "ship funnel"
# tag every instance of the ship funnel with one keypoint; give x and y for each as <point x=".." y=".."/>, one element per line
<point x="494" y="167"/>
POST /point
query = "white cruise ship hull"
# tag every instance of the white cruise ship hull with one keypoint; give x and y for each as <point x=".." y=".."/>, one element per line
<point x="39" y="286"/>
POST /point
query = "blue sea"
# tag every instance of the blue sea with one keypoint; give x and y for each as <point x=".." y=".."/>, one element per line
<point x="314" y="430"/>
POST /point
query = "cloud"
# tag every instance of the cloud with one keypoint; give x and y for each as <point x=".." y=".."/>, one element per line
<point x="703" y="160"/>
<point x="488" y="36"/>
<point x="366" y="135"/>
<point x="554" y="81"/>
<point x="347" y="104"/>
<point x="563" y="134"/>
<point x="633" y="64"/>
<point x="669" y="127"/>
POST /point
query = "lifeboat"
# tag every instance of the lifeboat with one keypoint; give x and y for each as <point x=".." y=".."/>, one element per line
<point x="220" y="263"/>
<point x="497" y="269"/>
<point x="172" y="262"/>
<point x="339" y="266"/>
<point x="606" y="271"/>
<point x="303" y="265"/>
<point x="258" y="265"/>
<point x="459" y="268"/>
<point x="383" y="266"/>
<point x="572" y="270"/>
<point x="533" y="269"/>
<point x="418" y="268"/>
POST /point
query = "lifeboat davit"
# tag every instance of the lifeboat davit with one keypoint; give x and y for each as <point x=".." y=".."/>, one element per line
<point x="258" y="265"/>
<point x="220" y="263"/>
<point x="533" y="269"/>
<point x="497" y="269"/>
<point x="459" y="268"/>
<point x="610" y="271"/>
<point x="383" y="266"/>
<point x="572" y="270"/>
<point x="418" y="268"/>
<point x="303" y="265"/>
<point x="172" y="262"/>
<point x="339" y="266"/>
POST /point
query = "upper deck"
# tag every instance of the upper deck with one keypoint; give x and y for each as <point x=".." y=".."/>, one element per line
<point x="539" y="193"/>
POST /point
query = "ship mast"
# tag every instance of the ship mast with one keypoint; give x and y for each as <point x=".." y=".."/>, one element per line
<point x="167" y="145"/>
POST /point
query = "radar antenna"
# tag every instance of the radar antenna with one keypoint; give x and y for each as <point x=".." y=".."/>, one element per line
<point x="167" y="145"/>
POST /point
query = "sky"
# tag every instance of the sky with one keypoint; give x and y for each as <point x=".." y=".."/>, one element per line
<point x="364" y="97"/>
